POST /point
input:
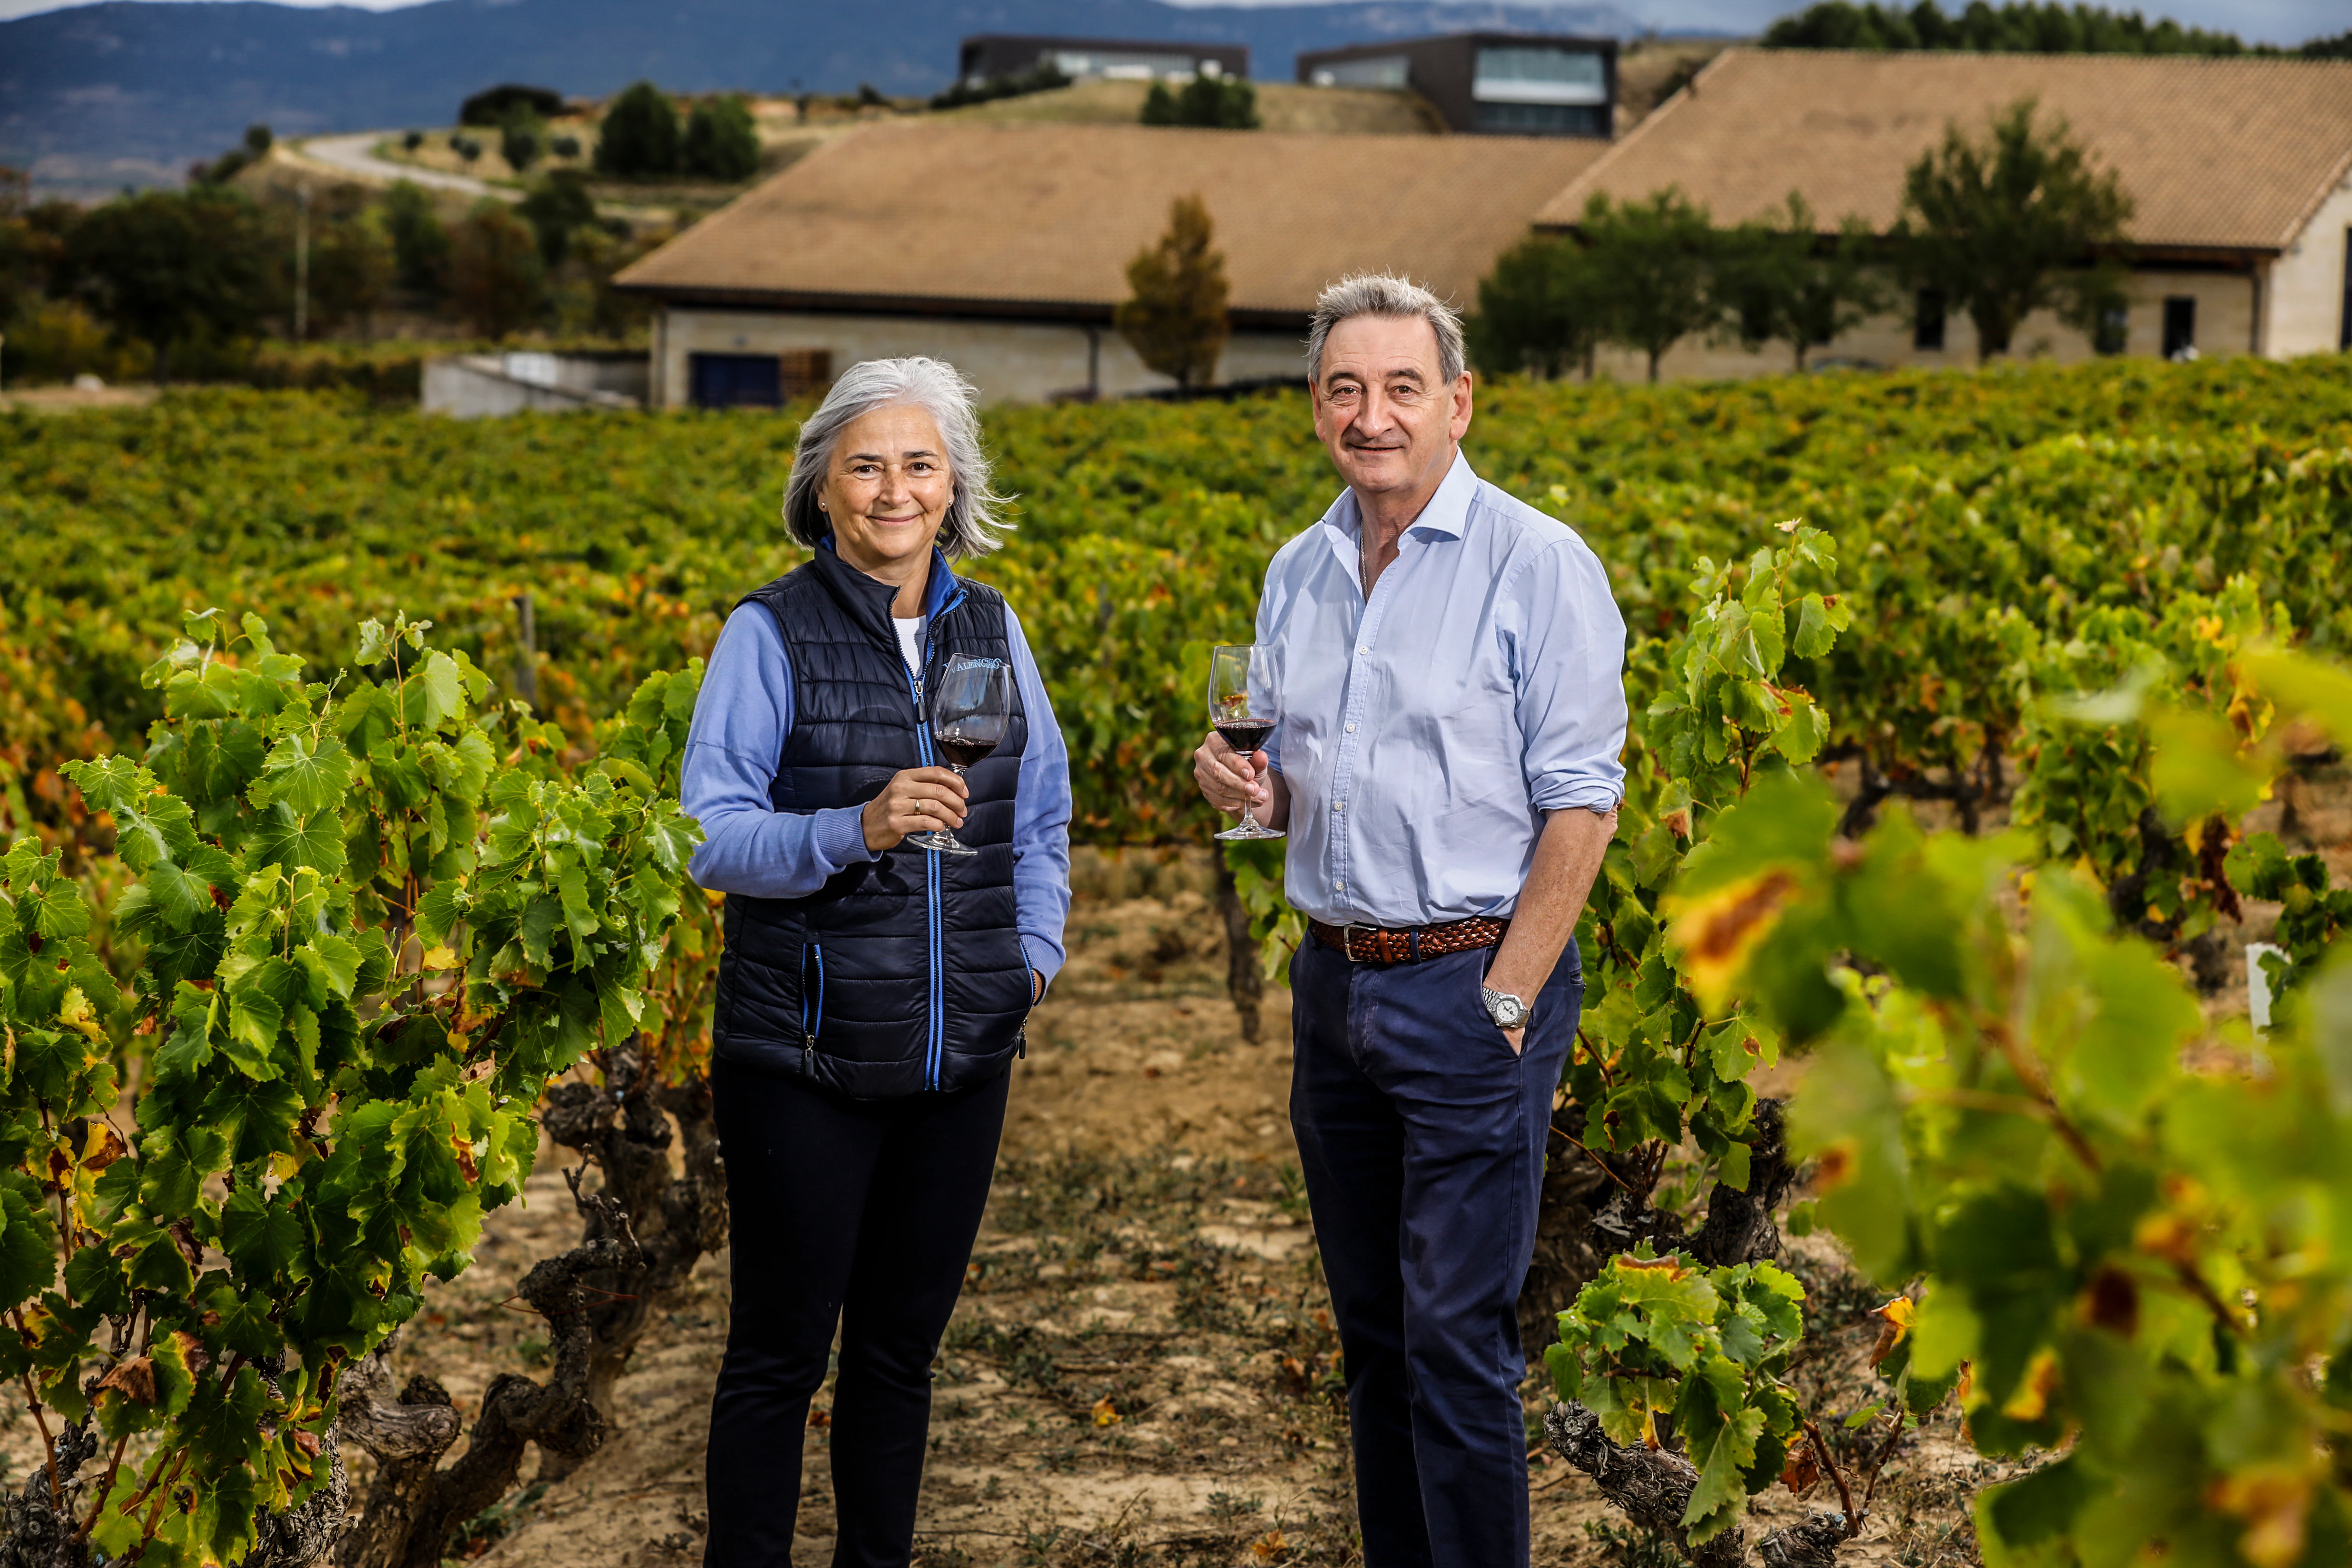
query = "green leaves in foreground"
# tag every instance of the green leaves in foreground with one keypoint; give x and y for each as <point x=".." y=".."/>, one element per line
<point x="1661" y="1336"/>
<point x="363" y="944"/>
<point x="2132" y="1230"/>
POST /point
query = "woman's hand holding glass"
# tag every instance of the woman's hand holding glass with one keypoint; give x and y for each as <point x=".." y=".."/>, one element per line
<point x="915" y="801"/>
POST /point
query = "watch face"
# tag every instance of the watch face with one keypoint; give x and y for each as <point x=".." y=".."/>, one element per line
<point x="1509" y="1012"/>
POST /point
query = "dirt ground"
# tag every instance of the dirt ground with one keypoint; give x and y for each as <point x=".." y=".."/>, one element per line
<point x="1142" y="1369"/>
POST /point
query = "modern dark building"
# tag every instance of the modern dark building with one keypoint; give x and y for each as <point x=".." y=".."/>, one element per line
<point x="1504" y="84"/>
<point x="988" y="55"/>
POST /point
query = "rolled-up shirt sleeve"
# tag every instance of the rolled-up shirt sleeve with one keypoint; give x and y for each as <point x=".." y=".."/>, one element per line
<point x="1567" y="659"/>
<point x="1041" y="818"/>
<point x="740" y="719"/>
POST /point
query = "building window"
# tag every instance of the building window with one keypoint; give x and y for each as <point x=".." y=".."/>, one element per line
<point x="757" y="380"/>
<point x="1385" y="70"/>
<point x="1927" y="321"/>
<point x="2114" y="328"/>
<point x="1543" y="118"/>
<point x="1539" y="76"/>
<point x="733" y="381"/>
<point x="805" y="372"/>
<point x="2180" y="326"/>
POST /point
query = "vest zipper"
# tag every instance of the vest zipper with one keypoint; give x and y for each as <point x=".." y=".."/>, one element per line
<point x="808" y="1030"/>
<point x="937" y="1010"/>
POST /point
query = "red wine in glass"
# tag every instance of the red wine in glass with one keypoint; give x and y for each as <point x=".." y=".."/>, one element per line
<point x="1242" y="708"/>
<point x="970" y="708"/>
<point x="1247" y="736"/>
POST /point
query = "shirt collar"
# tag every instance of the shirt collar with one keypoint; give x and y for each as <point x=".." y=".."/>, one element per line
<point x="936" y="589"/>
<point x="1447" y="515"/>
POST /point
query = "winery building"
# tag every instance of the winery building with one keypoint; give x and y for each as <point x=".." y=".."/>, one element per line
<point x="1005" y="249"/>
<point x="2240" y="170"/>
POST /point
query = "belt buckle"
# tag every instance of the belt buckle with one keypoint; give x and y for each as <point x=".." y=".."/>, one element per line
<point x="1347" y="931"/>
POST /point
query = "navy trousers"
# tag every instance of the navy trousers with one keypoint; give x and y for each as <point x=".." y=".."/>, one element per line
<point x="1423" y="1135"/>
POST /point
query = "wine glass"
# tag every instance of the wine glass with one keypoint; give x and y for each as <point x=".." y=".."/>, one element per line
<point x="970" y="709"/>
<point x="1242" y="708"/>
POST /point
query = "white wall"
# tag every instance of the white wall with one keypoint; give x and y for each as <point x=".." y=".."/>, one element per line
<point x="2225" y="325"/>
<point x="1008" y="361"/>
<point x="2306" y="304"/>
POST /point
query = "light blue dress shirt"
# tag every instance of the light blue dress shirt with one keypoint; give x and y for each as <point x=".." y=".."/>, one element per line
<point x="1424" y="735"/>
<point x="748" y="846"/>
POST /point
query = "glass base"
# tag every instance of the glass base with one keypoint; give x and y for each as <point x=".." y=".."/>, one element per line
<point x="1250" y="828"/>
<point x="944" y="842"/>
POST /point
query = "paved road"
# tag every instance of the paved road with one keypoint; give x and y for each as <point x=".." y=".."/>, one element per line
<point x="356" y="155"/>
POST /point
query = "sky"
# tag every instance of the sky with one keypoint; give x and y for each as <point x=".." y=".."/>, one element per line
<point x="2258" y="21"/>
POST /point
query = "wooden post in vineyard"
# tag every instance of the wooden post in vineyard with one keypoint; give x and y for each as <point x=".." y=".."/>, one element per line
<point x="527" y="665"/>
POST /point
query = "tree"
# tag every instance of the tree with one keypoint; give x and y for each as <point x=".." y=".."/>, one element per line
<point x="420" y="245"/>
<point x="1175" y="319"/>
<point x="521" y="139"/>
<point x="2019" y="222"/>
<point x="1538" y="312"/>
<point x="1215" y="102"/>
<point x="1652" y="265"/>
<point x="557" y="210"/>
<point x="32" y="241"/>
<point x="352" y="267"/>
<point x="607" y="310"/>
<point x="2016" y="28"/>
<point x="496" y="275"/>
<point x="639" y="136"/>
<point x="496" y="106"/>
<point x="1781" y="282"/>
<point x="165" y="267"/>
<point x="259" y="139"/>
<point x="721" y="143"/>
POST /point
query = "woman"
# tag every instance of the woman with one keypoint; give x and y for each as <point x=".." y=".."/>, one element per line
<point x="872" y="994"/>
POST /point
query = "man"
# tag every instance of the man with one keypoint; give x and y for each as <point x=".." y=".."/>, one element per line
<point x="1448" y="665"/>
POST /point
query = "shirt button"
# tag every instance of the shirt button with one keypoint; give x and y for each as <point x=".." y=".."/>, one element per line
<point x="1339" y="805"/>
<point x="1351" y="727"/>
<point x="1339" y="887"/>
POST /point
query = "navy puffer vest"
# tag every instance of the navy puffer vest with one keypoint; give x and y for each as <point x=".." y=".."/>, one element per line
<point x="906" y="972"/>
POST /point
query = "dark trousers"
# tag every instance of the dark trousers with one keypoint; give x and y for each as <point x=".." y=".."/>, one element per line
<point x="1423" y="1138"/>
<point x="860" y="1213"/>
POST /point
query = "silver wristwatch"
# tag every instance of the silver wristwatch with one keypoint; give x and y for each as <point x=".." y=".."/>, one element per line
<point x="1507" y="1010"/>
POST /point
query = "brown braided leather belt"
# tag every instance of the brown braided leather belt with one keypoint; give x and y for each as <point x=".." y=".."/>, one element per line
<point x="1376" y="945"/>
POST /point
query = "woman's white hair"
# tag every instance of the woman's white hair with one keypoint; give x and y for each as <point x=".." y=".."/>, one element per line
<point x="1400" y="299"/>
<point x="974" y="513"/>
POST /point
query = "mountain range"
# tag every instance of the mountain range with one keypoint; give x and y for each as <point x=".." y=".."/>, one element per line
<point x="127" y="92"/>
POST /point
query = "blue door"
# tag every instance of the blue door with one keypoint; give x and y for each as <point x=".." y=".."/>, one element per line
<point x="729" y="380"/>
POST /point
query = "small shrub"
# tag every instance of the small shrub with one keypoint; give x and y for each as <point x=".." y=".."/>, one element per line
<point x="721" y="143"/>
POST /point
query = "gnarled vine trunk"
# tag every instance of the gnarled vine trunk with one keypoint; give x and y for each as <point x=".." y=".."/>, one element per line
<point x="643" y="1231"/>
<point x="1596" y="1205"/>
<point x="625" y="1130"/>
<point x="413" y="1504"/>
<point x="1245" y="974"/>
<point x="40" y="1527"/>
<point x="1653" y="1487"/>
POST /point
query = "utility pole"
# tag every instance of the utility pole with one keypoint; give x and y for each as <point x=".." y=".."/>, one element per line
<point x="301" y="262"/>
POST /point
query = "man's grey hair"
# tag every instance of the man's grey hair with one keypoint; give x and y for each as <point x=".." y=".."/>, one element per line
<point x="1400" y="299"/>
<point x="975" y="514"/>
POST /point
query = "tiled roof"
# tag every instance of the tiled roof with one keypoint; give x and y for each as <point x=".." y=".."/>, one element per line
<point x="2216" y="153"/>
<point x="1007" y="217"/>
